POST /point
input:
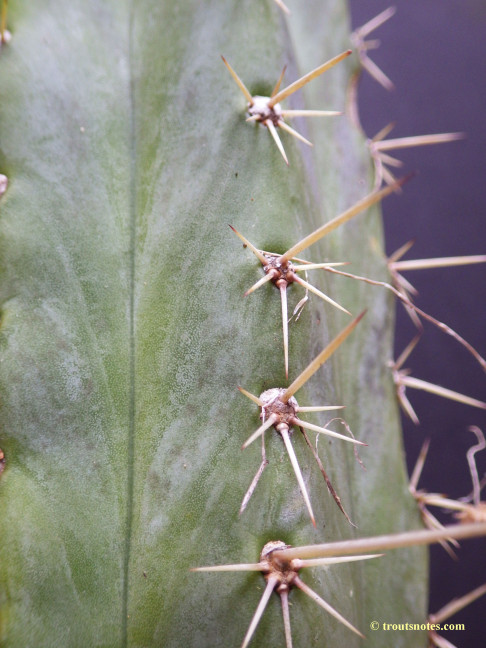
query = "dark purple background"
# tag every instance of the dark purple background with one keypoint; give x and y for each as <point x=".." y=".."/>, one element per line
<point x="435" y="53"/>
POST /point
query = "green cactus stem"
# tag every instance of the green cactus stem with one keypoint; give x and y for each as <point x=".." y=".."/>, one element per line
<point x="124" y="331"/>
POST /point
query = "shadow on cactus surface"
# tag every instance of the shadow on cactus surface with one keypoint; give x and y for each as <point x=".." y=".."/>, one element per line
<point x="124" y="333"/>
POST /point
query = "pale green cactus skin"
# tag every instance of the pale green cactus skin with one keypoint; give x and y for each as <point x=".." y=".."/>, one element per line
<point x="125" y="334"/>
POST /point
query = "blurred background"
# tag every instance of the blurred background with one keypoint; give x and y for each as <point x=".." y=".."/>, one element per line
<point x="434" y="51"/>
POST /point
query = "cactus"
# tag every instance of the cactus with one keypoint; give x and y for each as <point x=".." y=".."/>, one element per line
<point x="125" y="333"/>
